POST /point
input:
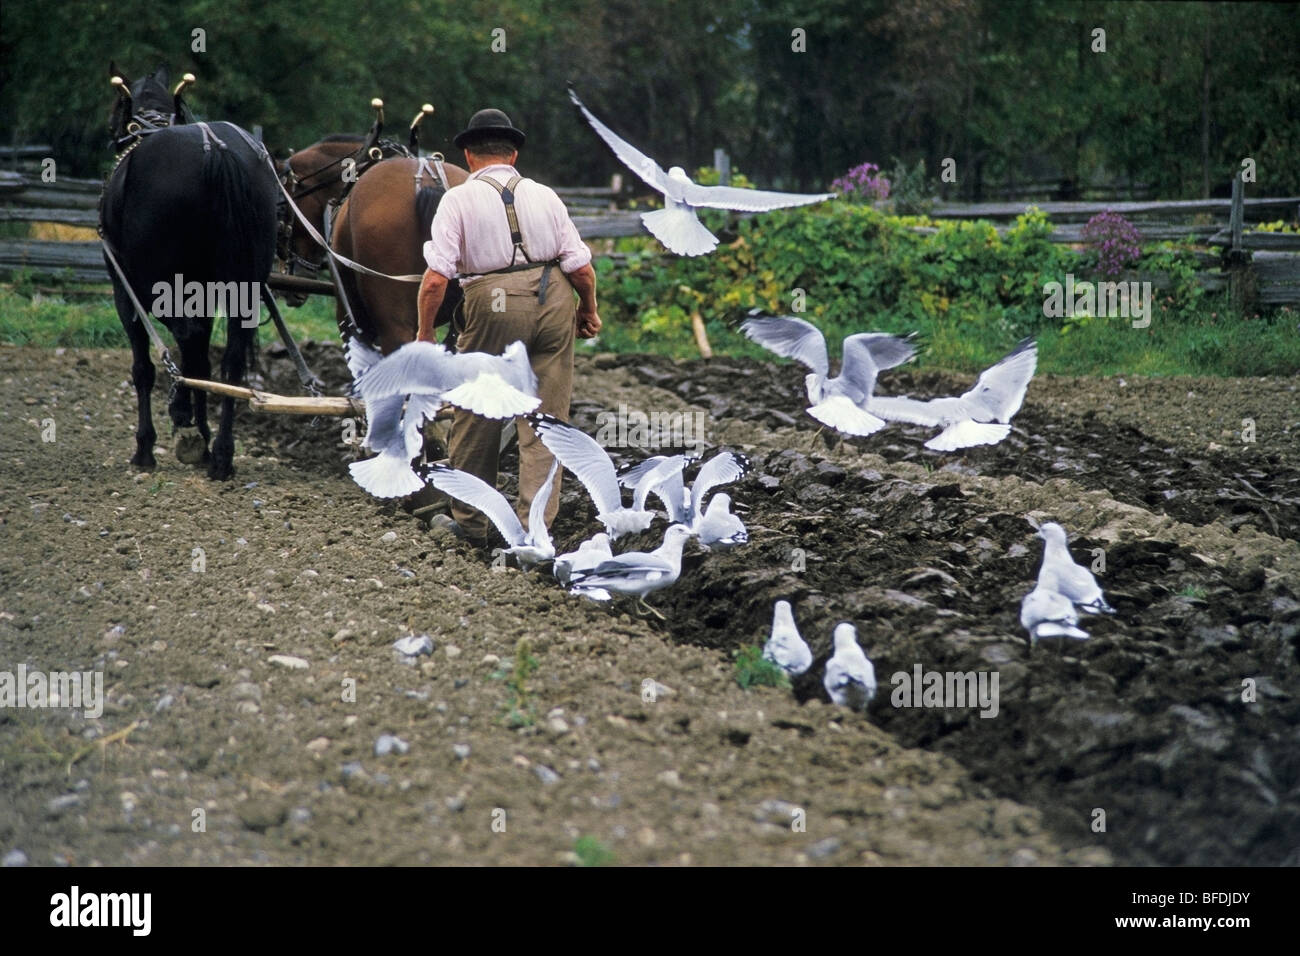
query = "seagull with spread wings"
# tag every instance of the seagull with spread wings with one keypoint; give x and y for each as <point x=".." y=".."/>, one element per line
<point x="403" y="389"/>
<point x="685" y="507"/>
<point x="981" y="416"/>
<point x="676" y="225"/>
<point x="532" y="546"/>
<point x="842" y="402"/>
<point x="583" y="456"/>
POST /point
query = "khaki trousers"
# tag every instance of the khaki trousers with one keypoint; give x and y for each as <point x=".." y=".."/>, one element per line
<point x="500" y="309"/>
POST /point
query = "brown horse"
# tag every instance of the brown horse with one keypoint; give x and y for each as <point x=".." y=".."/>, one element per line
<point x="315" y="177"/>
<point x="383" y="224"/>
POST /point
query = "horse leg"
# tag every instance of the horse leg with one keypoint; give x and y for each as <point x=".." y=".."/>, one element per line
<point x="181" y="406"/>
<point x="223" y="449"/>
<point x="234" y="362"/>
<point x="190" y="407"/>
<point x="142" y="375"/>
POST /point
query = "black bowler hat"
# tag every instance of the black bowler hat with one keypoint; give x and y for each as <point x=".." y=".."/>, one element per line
<point x="489" y="124"/>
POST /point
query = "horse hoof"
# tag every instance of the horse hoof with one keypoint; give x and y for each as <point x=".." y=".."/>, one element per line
<point x="219" y="472"/>
<point x="144" y="462"/>
<point x="191" y="447"/>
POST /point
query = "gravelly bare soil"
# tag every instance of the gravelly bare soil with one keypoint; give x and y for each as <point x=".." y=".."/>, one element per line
<point x="927" y="555"/>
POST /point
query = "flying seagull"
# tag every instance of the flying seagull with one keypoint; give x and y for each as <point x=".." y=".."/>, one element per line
<point x="360" y="356"/>
<point x="785" y="648"/>
<point x="676" y="225"/>
<point x="845" y="402"/>
<point x="395" y="433"/>
<point x="1061" y="574"/>
<point x="494" y="386"/>
<point x="980" y="417"/>
<point x="530" y="547"/>
<point x="850" y="678"/>
<point x="403" y="389"/>
<point x="1046" y="613"/>
<point x="637" y="572"/>
<point x="395" y="436"/>
<point x="583" y="456"/>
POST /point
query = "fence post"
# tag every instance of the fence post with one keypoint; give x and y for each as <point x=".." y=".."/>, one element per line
<point x="722" y="163"/>
<point x="1242" y="284"/>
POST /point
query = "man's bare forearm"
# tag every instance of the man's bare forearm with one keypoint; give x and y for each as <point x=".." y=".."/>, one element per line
<point x="584" y="282"/>
<point x="433" y="288"/>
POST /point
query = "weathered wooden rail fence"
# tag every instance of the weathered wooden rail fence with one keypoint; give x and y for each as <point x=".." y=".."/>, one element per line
<point x="1261" y="268"/>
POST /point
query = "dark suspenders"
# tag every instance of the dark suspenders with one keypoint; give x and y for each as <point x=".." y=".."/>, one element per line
<point x="507" y="193"/>
<point x="508" y="198"/>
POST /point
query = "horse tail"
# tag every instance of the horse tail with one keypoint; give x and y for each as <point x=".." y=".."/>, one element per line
<point x="240" y="235"/>
<point x="363" y="329"/>
<point x="426" y="205"/>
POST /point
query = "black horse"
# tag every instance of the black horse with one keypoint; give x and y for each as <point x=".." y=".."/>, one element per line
<point x="195" y="201"/>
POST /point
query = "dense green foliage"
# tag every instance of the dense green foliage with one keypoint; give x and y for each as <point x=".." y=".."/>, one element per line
<point x="848" y="265"/>
<point x="1182" y="93"/>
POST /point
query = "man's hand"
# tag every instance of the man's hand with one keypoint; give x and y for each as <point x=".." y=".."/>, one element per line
<point x="588" y="323"/>
<point x="432" y="290"/>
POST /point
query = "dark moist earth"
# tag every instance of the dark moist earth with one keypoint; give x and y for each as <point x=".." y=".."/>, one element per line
<point x="211" y="752"/>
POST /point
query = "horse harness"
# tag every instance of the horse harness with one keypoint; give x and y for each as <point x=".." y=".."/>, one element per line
<point x="507" y="193"/>
<point x="141" y="124"/>
<point x="363" y="157"/>
<point x="422" y="170"/>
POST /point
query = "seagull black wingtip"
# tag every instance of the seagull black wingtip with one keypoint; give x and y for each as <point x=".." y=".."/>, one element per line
<point x="543" y="418"/>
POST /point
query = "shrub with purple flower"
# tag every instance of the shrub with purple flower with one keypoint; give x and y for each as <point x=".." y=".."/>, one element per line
<point x="1115" y="239"/>
<point x="863" y="183"/>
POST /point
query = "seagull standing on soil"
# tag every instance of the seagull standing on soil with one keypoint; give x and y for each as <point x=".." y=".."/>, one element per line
<point x="785" y="648"/>
<point x="637" y="573"/>
<point x="530" y="547"/>
<point x="676" y="225"/>
<point x="422" y="376"/>
<point x="718" y="529"/>
<point x="1046" y="613"/>
<point x="850" y="678"/>
<point x="1061" y="574"/>
<point x="590" y="553"/>
<point x="982" y="416"/>
<point x="583" y="456"/>
<point x="845" y="402"/>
